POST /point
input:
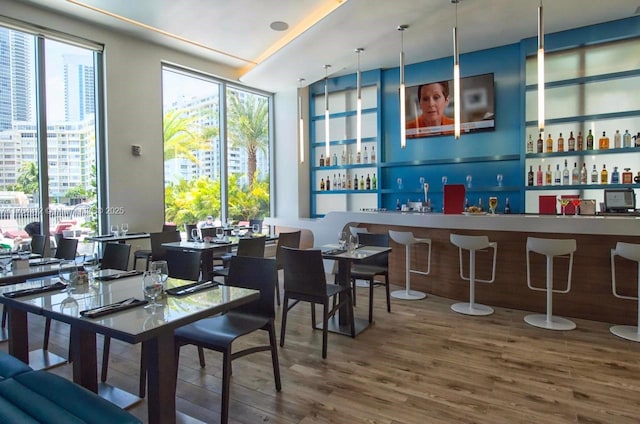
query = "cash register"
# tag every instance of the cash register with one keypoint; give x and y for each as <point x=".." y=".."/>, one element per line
<point x="620" y="201"/>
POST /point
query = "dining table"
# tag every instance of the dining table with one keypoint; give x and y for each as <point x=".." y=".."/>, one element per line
<point x="345" y="257"/>
<point x="133" y="322"/>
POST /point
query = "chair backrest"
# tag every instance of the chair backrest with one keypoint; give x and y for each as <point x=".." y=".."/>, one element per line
<point x="253" y="247"/>
<point x="375" y="239"/>
<point x="208" y="232"/>
<point x="116" y="256"/>
<point x="159" y="253"/>
<point x="38" y="242"/>
<point x="304" y="271"/>
<point x="66" y="248"/>
<point x="357" y="230"/>
<point x="188" y="228"/>
<point x="183" y="264"/>
<point x="255" y="273"/>
<point x="169" y="227"/>
<point x="291" y="239"/>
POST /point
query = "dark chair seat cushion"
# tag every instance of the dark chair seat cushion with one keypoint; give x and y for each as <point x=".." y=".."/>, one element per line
<point x="142" y="253"/>
<point x="364" y="271"/>
<point x="217" y="333"/>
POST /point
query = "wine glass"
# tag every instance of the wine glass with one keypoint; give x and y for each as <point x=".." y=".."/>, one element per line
<point x="342" y="240"/>
<point x="563" y="204"/>
<point x="469" y="179"/>
<point x="576" y="204"/>
<point x="353" y="242"/>
<point x="399" y="181"/>
<point x="421" y="184"/>
<point x="114" y="230"/>
<point x="68" y="273"/>
<point x="91" y="264"/>
<point x="255" y="228"/>
<point x="235" y="230"/>
<point x="493" y="204"/>
<point x="499" y="178"/>
<point x="444" y="180"/>
<point x="5" y="264"/>
<point x="219" y="233"/>
<point x="24" y="251"/>
<point x="152" y="287"/>
<point x="69" y="306"/>
<point x="124" y="228"/>
<point x="194" y="234"/>
<point x="162" y="268"/>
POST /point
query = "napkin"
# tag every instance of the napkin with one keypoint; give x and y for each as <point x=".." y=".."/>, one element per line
<point x="116" y="276"/>
<point x="123" y="305"/>
<point x="334" y="251"/>
<point x="191" y="288"/>
<point x="40" y="262"/>
<point x="36" y="290"/>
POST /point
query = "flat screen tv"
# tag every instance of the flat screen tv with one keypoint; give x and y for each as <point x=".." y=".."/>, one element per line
<point x="429" y="106"/>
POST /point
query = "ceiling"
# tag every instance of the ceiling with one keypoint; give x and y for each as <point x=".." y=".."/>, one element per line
<point x="237" y="33"/>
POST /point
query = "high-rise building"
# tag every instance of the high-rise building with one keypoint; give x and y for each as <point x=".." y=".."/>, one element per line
<point x="79" y="96"/>
<point x="21" y="76"/>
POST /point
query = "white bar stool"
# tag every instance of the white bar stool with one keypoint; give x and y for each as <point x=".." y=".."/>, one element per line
<point x="550" y="248"/>
<point x="632" y="252"/>
<point x="472" y="244"/>
<point x="408" y="240"/>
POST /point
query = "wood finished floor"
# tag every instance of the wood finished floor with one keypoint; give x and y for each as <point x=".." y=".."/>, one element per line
<point x="422" y="363"/>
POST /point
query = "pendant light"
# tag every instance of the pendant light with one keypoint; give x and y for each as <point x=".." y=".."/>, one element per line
<point x="358" y="103"/>
<point x="403" y="117"/>
<point x="327" y="138"/>
<point x="540" y="69"/>
<point x="300" y="121"/>
<point x="456" y="77"/>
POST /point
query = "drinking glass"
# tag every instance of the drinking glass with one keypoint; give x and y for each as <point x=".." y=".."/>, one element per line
<point x="24" y="251"/>
<point x="124" y="228"/>
<point x="353" y="242"/>
<point x="399" y="181"/>
<point x="342" y="240"/>
<point x="255" y="228"/>
<point x="91" y="264"/>
<point x="68" y="273"/>
<point x="162" y="268"/>
<point x="194" y="234"/>
<point x="219" y="233"/>
<point x="421" y="183"/>
<point x="152" y="287"/>
<point x="499" y="178"/>
<point x="563" y="204"/>
<point x="469" y="179"/>
<point x="5" y="264"/>
<point x="493" y="204"/>
<point x="69" y="306"/>
<point x="576" y="204"/>
<point x="235" y="230"/>
<point x="114" y="230"/>
<point x="444" y="180"/>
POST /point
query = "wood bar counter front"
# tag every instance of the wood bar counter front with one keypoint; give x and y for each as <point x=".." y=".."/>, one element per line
<point x="590" y="297"/>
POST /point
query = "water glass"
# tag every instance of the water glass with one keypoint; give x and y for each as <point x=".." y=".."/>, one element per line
<point x="91" y="264"/>
<point x="342" y="240"/>
<point x="24" y="251"/>
<point x="151" y="287"/>
<point x="219" y="233"/>
<point x="255" y="228"/>
<point x="469" y="179"/>
<point x="353" y="242"/>
<point x="68" y="273"/>
<point x="444" y="180"/>
<point x="399" y="181"/>
<point x="499" y="178"/>
<point x="162" y="268"/>
<point x="5" y="264"/>
<point x="194" y="234"/>
<point x="124" y="228"/>
<point x="115" y="230"/>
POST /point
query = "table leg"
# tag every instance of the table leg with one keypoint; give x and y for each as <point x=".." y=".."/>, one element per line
<point x="19" y="334"/>
<point x="206" y="265"/>
<point x="85" y="363"/>
<point x="340" y="324"/>
<point x="161" y="372"/>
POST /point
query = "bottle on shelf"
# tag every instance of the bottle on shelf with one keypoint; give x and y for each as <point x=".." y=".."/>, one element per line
<point x="322" y="184"/>
<point x="626" y="139"/>
<point x="368" y="183"/>
<point x="344" y="181"/>
<point x="351" y="162"/>
<point x="321" y="159"/>
<point x="590" y="141"/>
<point x="539" y="176"/>
<point x="355" y="182"/>
<point x="327" y="160"/>
<point x="615" y="176"/>
<point x="561" y="143"/>
<point x="530" y="176"/>
<point x="603" y="143"/>
<point x="335" y="182"/>
<point x="580" y="141"/>
<point x="549" y="144"/>
<point x="594" y="175"/>
<point x="565" y="174"/>
<point x="507" y="207"/>
<point x="365" y="158"/>
<point x="548" y="176"/>
<point x="583" y="173"/>
<point x="572" y="142"/>
<point x="627" y="176"/>
<point x="539" y="143"/>
<point x="358" y="157"/>
<point x="557" y="177"/>
<point x="480" y="204"/>
<point x="328" y="183"/>
<point x="466" y="203"/>
<point x="604" y="175"/>
<point x="530" y="144"/>
<point x="617" y="140"/>
<point x="361" y="182"/>
<point x="372" y="156"/>
<point x="334" y="159"/>
<point x="343" y="156"/>
<point x="575" y="174"/>
<point x="349" y="183"/>
<point x="398" y="207"/>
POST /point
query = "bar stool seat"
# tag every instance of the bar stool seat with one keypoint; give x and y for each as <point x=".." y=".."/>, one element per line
<point x="473" y="244"/>
<point x="631" y="252"/>
<point x="550" y="248"/>
<point x="408" y="240"/>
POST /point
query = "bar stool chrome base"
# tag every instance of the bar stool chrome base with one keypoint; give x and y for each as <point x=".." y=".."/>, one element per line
<point x="549" y="323"/>
<point x="471" y="309"/>
<point x="629" y="332"/>
<point x="407" y="294"/>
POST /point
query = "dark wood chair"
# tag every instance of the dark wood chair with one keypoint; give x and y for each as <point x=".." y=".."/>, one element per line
<point x="116" y="256"/>
<point x="188" y="228"/>
<point x="157" y="252"/>
<point x="38" y="243"/>
<point x="183" y="264"/>
<point x="66" y="248"/>
<point x="146" y="254"/>
<point x="305" y="280"/>
<point x="248" y="247"/>
<point x="218" y="333"/>
<point x="289" y="239"/>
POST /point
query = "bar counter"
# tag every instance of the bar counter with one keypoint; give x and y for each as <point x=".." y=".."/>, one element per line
<point x="590" y="296"/>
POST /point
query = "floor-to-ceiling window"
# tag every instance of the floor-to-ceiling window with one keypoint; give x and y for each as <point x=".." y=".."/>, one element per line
<point x="48" y="127"/>
<point x="216" y="149"/>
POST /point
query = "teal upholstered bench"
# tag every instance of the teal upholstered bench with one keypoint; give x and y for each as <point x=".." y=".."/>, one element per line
<point x="28" y="396"/>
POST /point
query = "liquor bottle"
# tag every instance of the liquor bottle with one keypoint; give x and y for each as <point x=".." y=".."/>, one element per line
<point x="565" y="174"/>
<point x="398" y="207"/>
<point x="372" y="156"/>
<point x="349" y="183"/>
<point x="548" y="177"/>
<point x="580" y="141"/>
<point x="327" y="161"/>
<point x="626" y="139"/>
<point x="594" y="175"/>
<point x="557" y="178"/>
<point x="361" y="182"/>
<point x="334" y="159"/>
<point x="343" y="157"/>
<point x="560" y="143"/>
<point x="350" y="157"/>
<point x="358" y="158"/>
<point x="507" y="207"/>
<point x="572" y="142"/>
<point x="366" y="156"/>
<point x="603" y="143"/>
<point x="466" y="203"/>
<point x="530" y="177"/>
<point x="539" y="176"/>
<point x="549" y="144"/>
<point x="615" y="176"/>
<point x="328" y="183"/>
<point x="344" y="181"/>
<point x="539" y="143"/>
<point x="627" y="176"/>
<point x="583" y="174"/>
<point x="590" y="141"/>
<point x="575" y="174"/>
<point x="355" y="182"/>
<point x="530" y="144"/>
<point x="604" y="175"/>
<point x="480" y="203"/>
<point x="368" y="183"/>
<point x="322" y="184"/>
<point x="374" y="182"/>
<point x="321" y="160"/>
<point x="617" y="140"/>
<point x="335" y="182"/>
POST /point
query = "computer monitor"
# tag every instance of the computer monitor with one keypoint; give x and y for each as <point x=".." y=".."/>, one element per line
<point x="619" y="200"/>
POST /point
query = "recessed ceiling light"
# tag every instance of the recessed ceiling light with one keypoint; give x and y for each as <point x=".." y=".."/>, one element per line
<point x="279" y="26"/>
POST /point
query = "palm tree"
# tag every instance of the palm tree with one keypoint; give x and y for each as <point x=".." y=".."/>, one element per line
<point x="180" y="140"/>
<point x="248" y="124"/>
<point x="28" y="178"/>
